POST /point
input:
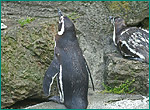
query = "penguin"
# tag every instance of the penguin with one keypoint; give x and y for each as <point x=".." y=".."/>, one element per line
<point x="69" y="67"/>
<point x="132" y="42"/>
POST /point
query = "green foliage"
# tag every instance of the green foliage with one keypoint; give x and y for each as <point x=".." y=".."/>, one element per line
<point x="23" y="22"/>
<point x="122" y="88"/>
<point x="73" y="16"/>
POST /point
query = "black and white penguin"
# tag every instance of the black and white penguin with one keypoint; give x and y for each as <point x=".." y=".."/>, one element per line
<point x="132" y="42"/>
<point x="70" y="68"/>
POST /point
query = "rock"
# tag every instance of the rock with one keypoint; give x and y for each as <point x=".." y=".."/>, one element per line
<point x="132" y="12"/>
<point x="128" y="104"/>
<point x="119" y="70"/>
<point x="3" y="26"/>
<point x="27" y="50"/>
<point x="98" y="100"/>
<point x="47" y="105"/>
<point x="25" y="58"/>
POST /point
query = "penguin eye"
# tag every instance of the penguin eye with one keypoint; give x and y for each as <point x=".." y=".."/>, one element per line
<point x="59" y="26"/>
<point x="57" y="54"/>
<point x="60" y="18"/>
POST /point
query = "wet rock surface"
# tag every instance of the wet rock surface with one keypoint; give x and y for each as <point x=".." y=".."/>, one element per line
<point x="27" y="51"/>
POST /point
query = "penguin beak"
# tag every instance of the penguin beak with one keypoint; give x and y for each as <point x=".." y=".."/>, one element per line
<point x="59" y="13"/>
<point x="112" y="19"/>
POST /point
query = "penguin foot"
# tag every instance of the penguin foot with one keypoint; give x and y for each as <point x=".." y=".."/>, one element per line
<point x="55" y="99"/>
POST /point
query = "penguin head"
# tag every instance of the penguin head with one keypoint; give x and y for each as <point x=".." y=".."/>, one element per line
<point x="65" y="24"/>
<point x="118" y="22"/>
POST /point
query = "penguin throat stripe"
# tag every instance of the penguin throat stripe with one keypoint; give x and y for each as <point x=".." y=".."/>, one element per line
<point x="61" y="85"/>
<point x="114" y="36"/>
<point x="62" y="27"/>
<point x="55" y="43"/>
<point x="52" y="83"/>
<point x="133" y="51"/>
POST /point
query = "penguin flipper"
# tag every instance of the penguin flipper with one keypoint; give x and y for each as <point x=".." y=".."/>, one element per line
<point x="50" y="75"/>
<point x="89" y="74"/>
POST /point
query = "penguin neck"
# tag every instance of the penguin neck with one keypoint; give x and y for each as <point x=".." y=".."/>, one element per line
<point x="118" y="28"/>
<point x="114" y="36"/>
<point x="69" y="36"/>
<point x="116" y="32"/>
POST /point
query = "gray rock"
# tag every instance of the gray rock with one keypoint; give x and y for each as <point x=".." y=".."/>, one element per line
<point x="99" y="100"/>
<point x="26" y="54"/>
<point x="119" y="70"/>
<point x="47" y="105"/>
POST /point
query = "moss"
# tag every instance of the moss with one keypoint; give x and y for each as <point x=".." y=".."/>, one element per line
<point x="23" y="22"/>
<point x="4" y="68"/>
<point x="73" y="16"/>
<point x="119" y="5"/>
<point x="122" y="88"/>
<point x="24" y="61"/>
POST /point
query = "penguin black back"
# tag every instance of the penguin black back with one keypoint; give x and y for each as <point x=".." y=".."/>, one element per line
<point x="132" y="42"/>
